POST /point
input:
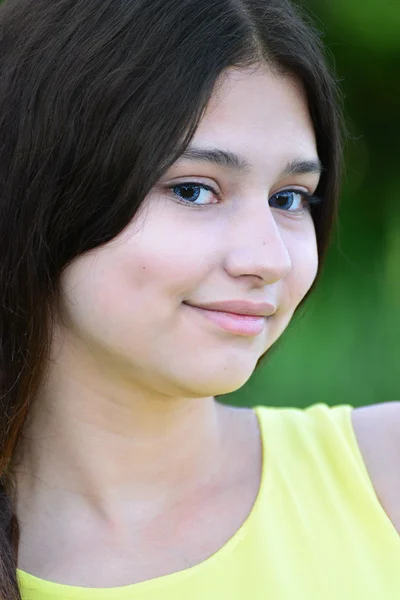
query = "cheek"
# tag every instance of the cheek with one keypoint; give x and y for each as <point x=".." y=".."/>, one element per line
<point x="170" y="258"/>
<point x="304" y="253"/>
<point x="89" y="291"/>
<point x="301" y="243"/>
<point x="121" y="285"/>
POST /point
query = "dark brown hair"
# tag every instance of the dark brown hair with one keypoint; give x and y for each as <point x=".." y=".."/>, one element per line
<point x="97" y="99"/>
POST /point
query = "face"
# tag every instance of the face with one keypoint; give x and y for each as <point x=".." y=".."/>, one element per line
<point x="232" y="234"/>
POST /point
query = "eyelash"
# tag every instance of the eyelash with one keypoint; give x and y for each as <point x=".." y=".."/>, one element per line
<point x="311" y="199"/>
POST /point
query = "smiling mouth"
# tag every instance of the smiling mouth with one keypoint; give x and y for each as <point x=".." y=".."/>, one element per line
<point x="244" y="325"/>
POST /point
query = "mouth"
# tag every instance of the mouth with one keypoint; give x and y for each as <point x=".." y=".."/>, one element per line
<point x="244" y="325"/>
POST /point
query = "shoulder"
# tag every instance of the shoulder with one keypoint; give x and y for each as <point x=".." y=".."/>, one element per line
<point x="384" y="408"/>
<point x="377" y="422"/>
<point x="377" y="430"/>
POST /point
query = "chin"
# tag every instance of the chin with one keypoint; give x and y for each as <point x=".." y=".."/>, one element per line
<point x="217" y="384"/>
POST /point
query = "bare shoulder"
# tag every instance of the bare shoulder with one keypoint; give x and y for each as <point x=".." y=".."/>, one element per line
<point x="377" y="430"/>
<point x="377" y="422"/>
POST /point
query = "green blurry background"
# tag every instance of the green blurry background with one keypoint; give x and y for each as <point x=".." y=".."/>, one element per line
<point x="345" y="345"/>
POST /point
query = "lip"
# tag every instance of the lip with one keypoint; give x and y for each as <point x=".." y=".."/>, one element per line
<point x="239" y="307"/>
<point x="243" y="325"/>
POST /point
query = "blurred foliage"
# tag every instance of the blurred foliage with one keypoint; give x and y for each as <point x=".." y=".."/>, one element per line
<point x="345" y="345"/>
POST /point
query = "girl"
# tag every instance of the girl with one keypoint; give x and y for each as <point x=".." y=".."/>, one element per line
<point x="169" y="181"/>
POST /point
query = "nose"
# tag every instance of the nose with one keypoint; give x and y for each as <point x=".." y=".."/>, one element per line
<point x="257" y="247"/>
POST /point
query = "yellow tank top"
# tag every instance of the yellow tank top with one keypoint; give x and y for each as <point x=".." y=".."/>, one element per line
<point x="316" y="531"/>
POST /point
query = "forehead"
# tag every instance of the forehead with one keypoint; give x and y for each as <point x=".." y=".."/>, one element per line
<point x="260" y="114"/>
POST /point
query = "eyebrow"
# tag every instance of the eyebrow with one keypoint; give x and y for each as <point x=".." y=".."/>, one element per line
<point x="236" y="162"/>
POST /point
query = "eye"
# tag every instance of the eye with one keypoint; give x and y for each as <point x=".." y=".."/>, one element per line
<point x="286" y="199"/>
<point x="190" y="192"/>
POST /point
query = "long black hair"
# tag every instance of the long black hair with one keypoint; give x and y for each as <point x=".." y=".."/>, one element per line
<point x="97" y="99"/>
